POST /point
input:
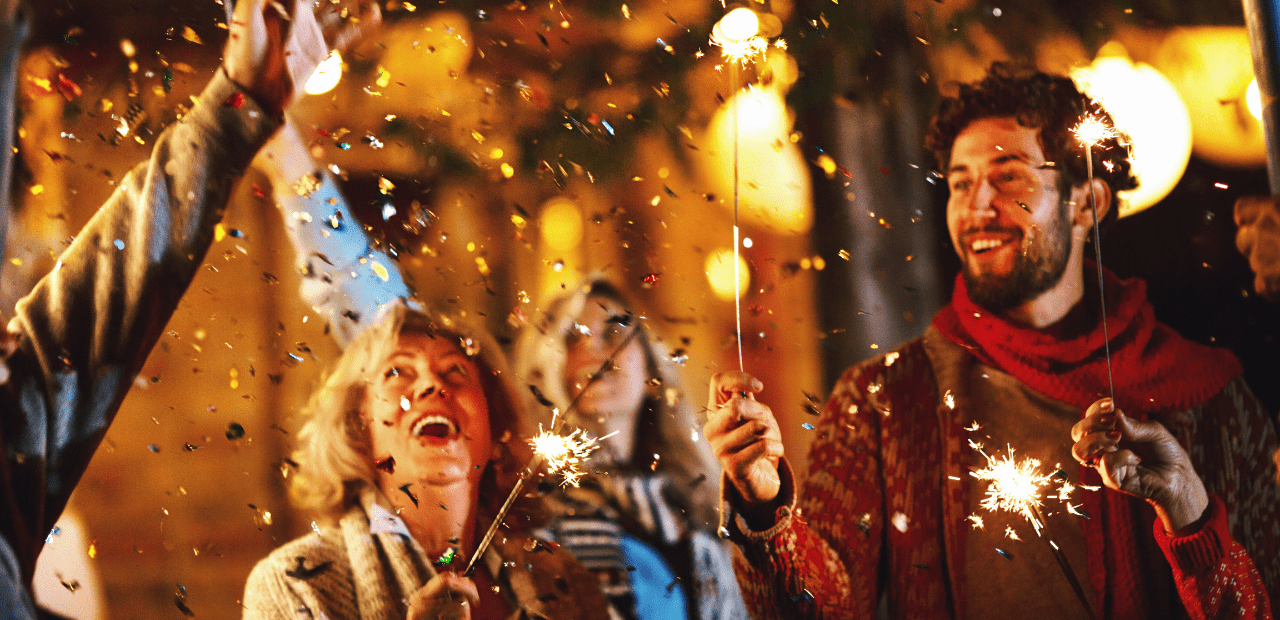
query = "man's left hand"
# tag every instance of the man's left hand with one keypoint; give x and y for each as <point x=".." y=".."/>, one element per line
<point x="1142" y="459"/>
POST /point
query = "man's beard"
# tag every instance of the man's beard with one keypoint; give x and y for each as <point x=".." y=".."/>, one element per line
<point x="1035" y="270"/>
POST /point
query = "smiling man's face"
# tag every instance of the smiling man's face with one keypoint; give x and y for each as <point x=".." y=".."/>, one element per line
<point x="1007" y="220"/>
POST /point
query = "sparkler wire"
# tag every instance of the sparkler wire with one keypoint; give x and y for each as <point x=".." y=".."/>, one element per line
<point x="737" y="290"/>
<point x="537" y="460"/>
<point x="1097" y="248"/>
<point x="1064" y="564"/>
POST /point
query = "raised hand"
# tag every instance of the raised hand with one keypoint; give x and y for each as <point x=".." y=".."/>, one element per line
<point x="1258" y="238"/>
<point x="1142" y="459"/>
<point x="448" y="596"/>
<point x="744" y="435"/>
<point x="274" y="47"/>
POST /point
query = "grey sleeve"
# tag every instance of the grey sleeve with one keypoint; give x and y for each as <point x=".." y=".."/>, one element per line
<point x="86" y="328"/>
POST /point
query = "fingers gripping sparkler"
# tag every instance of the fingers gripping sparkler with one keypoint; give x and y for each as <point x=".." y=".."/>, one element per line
<point x="562" y="454"/>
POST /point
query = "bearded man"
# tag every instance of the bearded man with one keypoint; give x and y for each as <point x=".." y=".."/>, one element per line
<point x="1181" y="521"/>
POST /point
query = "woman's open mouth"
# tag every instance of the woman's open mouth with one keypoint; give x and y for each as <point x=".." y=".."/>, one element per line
<point x="434" y="426"/>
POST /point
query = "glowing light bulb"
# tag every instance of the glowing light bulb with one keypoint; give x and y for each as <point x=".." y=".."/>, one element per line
<point x="739" y="24"/>
<point x="561" y="224"/>
<point x="1253" y="99"/>
<point x="326" y="75"/>
<point x="1146" y="107"/>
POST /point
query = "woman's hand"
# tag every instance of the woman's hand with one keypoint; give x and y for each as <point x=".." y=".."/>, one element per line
<point x="448" y="596"/>
<point x="744" y="435"/>
<point x="1141" y="459"/>
<point x="274" y="47"/>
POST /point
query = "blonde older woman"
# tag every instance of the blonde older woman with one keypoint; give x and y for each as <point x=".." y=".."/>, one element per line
<point x="644" y="521"/>
<point x="408" y="449"/>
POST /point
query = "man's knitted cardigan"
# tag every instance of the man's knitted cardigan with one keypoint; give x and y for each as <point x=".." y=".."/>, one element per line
<point x="889" y="450"/>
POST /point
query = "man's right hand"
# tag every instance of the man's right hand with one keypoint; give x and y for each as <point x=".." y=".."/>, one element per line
<point x="744" y="435"/>
<point x="275" y="46"/>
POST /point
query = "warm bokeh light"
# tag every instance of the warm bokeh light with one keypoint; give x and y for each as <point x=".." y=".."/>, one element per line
<point x="326" y="75"/>
<point x="774" y="180"/>
<point x="1212" y="69"/>
<point x="720" y="274"/>
<point x="1253" y="99"/>
<point x="1146" y="107"/>
<point x="561" y="224"/>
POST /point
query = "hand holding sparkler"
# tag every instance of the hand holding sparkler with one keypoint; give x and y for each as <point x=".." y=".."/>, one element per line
<point x="744" y="436"/>
<point x="1142" y="459"/>
<point x="447" y="595"/>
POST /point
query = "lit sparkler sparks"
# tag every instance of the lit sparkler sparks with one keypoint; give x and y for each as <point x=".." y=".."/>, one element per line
<point x="1014" y="486"/>
<point x="1092" y="130"/>
<point x="563" y="454"/>
<point x="741" y="51"/>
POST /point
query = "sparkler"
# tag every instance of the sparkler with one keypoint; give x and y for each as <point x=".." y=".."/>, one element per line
<point x="737" y="36"/>
<point x="1093" y="130"/>
<point x="1015" y="486"/>
<point x="553" y="444"/>
<point x="564" y="453"/>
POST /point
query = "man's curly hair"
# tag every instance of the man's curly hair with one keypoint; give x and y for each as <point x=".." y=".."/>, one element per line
<point x="1050" y="103"/>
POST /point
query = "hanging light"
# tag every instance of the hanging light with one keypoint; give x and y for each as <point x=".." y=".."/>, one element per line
<point x="561" y="224"/>
<point x="1146" y="107"/>
<point x="1212" y="68"/>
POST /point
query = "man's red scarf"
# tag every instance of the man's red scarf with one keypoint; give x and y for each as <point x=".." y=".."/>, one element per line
<point x="1154" y="368"/>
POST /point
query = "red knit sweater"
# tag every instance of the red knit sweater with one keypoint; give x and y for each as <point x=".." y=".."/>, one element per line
<point x="885" y="499"/>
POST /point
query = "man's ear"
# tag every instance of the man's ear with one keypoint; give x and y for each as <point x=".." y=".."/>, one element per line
<point x="1082" y="210"/>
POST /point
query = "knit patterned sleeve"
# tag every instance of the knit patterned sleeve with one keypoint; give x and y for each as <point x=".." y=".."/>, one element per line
<point x="820" y="559"/>
<point x="1235" y="558"/>
<point x="1215" y="577"/>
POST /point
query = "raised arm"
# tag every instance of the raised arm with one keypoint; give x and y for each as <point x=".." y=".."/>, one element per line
<point x="86" y="328"/>
<point x="343" y="279"/>
<point x="1215" y="575"/>
<point x="814" y="559"/>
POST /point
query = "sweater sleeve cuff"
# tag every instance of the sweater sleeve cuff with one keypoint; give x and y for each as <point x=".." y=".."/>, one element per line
<point x="1195" y="552"/>
<point x="733" y="523"/>
<point x="237" y="123"/>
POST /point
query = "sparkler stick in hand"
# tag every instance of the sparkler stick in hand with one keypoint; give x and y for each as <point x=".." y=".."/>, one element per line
<point x="1091" y="131"/>
<point x="553" y="449"/>
<point x="1015" y="486"/>
<point x="738" y="35"/>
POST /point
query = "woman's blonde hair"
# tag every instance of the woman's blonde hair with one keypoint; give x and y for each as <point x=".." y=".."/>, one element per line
<point x="333" y="452"/>
<point x="667" y="424"/>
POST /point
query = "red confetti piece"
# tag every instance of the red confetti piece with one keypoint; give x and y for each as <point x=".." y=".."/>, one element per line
<point x="235" y="101"/>
<point x="651" y="279"/>
<point x="69" y="89"/>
